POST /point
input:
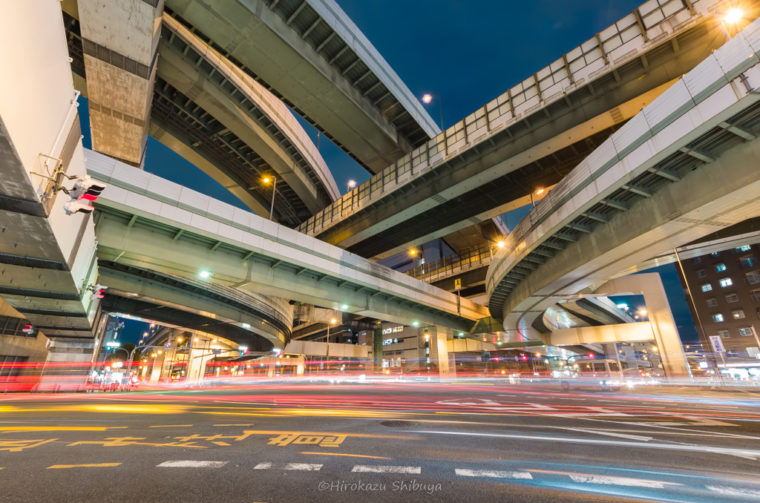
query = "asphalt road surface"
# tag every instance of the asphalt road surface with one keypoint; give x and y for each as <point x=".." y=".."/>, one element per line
<point x="358" y="441"/>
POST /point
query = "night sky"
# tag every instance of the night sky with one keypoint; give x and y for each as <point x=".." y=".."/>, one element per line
<point x="467" y="53"/>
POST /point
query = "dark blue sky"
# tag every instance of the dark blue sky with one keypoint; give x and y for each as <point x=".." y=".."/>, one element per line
<point x="463" y="51"/>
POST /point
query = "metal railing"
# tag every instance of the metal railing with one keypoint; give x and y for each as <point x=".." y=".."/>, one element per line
<point x="446" y="267"/>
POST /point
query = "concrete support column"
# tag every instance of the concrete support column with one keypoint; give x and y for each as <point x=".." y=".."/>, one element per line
<point x="439" y="351"/>
<point x="120" y="44"/>
<point x="377" y="347"/>
<point x="64" y="377"/>
<point x="660" y="318"/>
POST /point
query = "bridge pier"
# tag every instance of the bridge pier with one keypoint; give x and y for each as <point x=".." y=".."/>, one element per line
<point x="661" y="320"/>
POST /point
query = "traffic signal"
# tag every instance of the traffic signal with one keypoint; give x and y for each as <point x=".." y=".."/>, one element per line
<point x="86" y="188"/>
<point x="85" y="191"/>
<point x="98" y="291"/>
<point x="28" y="328"/>
<point x="591" y="355"/>
<point x="76" y="206"/>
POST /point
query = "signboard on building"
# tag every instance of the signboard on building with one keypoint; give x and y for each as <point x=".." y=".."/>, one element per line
<point x="458" y="284"/>
<point x="717" y="344"/>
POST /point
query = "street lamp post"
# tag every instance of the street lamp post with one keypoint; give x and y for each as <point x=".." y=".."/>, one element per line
<point x="538" y="193"/>
<point x="266" y="181"/>
<point x="428" y="97"/>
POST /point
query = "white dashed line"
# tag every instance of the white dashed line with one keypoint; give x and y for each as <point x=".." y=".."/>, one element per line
<point x="192" y="464"/>
<point x="386" y="469"/>
<point x="304" y="467"/>
<point x="493" y="474"/>
<point x="263" y="466"/>
<point x="618" y="481"/>
<point x="735" y="491"/>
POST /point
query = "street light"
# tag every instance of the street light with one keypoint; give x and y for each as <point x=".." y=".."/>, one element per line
<point x="351" y="184"/>
<point x="539" y="191"/>
<point x="427" y="98"/>
<point x="733" y="15"/>
<point x="266" y="181"/>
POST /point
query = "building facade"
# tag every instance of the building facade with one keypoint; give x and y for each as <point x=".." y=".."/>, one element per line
<point x="725" y="287"/>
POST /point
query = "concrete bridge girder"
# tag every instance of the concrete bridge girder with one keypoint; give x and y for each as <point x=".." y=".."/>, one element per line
<point x="262" y="41"/>
<point x="133" y="286"/>
<point x="186" y="76"/>
<point x="139" y="223"/>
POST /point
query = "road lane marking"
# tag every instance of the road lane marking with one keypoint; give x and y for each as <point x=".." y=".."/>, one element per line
<point x="87" y="465"/>
<point x="610" y="434"/>
<point x="341" y="454"/>
<point x="189" y="463"/>
<point x="735" y="491"/>
<point x="234" y="424"/>
<point x="263" y="466"/>
<point x="386" y="469"/>
<point x="592" y="478"/>
<point x="742" y="453"/>
<point x="171" y="426"/>
<point x="304" y="467"/>
<point x="493" y="474"/>
<point x="60" y="428"/>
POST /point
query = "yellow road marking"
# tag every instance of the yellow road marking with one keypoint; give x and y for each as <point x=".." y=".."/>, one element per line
<point x="88" y="465"/>
<point x="346" y="455"/>
<point x="60" y="428"/>
<point x="354" y="435"/>
<point x="171" y="426"/>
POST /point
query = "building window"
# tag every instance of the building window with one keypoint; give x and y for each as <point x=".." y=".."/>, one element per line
<point x="755" y="295"/>
<point x="747" y="261"/>
<point x="731" y="298"/>
<point x="712" y="302"/>
<point x="715" y="254"/>
<point x="738" y="314"/>
<point x="753" y="278"/>
<point x="745" y="331"/>
<point x="717" y="317"/>
<point x="720" y="267"/>
<point x="723" y="333"/>
<point x="707" y="287"/>
<point x="744" y="248"/>
<point x="696" y="260"/>
<point x="701" y="273"/>
<point x="724" y="282"/>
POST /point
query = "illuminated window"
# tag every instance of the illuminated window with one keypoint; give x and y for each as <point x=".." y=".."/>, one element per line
<point x="724" y="282"/>
<point x="753" y="278"/>
<point x="720" y="267"/>
<point x="747" y="262"/>
<point x="712" y="302"/>
<point x="745" y="331"/>
<point x="738" y="314"/>
<point x="717" y="317"/>
<point x="715" y="254"/>
<point x="744" y="248"/>
<point x="723" y="333"/>
<point x="707" y="287"/>
<point x="731" y="298"/>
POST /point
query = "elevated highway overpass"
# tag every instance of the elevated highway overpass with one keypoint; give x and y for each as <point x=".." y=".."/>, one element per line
<point x="152" y="224"/>
<point x="683" y="168"/>
<point x="529" y="137"/>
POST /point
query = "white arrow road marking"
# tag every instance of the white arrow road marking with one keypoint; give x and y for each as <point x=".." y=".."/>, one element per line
<point x="493" y="474"/>
<point x="387" y="469"/>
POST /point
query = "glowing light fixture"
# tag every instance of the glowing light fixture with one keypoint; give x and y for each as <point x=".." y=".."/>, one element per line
<point x="204" y="274"/>
<point x="733" y="15"/>
<point x="501" y="243"/>
<point x="427" y="98"/>
<point x="351" y="184"/>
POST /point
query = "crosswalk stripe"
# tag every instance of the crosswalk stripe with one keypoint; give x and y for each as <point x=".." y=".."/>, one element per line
<point x="189" y="463"/>
<point x="493" y="474"/>
<point x="305" y="467"/>
<point x="386" y="469"/>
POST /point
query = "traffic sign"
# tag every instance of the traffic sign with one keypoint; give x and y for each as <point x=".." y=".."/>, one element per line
<point x="458" y="284"/>
<point x="717" y="344"/>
